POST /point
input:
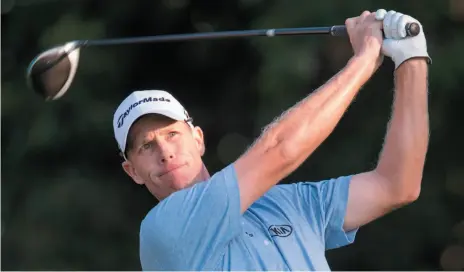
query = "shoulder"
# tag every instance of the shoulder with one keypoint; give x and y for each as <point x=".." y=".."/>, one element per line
<point x="213" y="195"/>
<point x="323" y="185"/>
<point x="298" y="193"/>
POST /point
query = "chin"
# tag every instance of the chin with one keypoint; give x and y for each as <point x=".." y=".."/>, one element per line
<point x="179" y="184"/>
<point x="179" y="180"/>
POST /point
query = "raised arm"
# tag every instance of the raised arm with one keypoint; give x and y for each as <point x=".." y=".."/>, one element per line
<point x="396" y="180"/>
<point x="288" y="141"/>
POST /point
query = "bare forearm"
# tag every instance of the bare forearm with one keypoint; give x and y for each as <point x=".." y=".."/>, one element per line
<point x="305" y="126"/>
<point x="403" y="157"/>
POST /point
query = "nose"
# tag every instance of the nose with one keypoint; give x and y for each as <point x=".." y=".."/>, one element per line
<point x="167" y="158"/>
<point x="166" y="153"/>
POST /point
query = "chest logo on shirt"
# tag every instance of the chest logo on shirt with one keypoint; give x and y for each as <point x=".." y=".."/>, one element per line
<point x="280" y="230"/>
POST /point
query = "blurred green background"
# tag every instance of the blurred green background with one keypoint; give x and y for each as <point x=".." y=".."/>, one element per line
<point x="68" y="205"/>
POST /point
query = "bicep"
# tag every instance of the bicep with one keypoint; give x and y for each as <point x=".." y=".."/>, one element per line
<point x="369" y="198"/>
<point x="195" y="223"/>
<point x="259" y="170"/>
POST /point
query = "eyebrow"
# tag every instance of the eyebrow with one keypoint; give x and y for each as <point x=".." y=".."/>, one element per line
<point x="144" y="138"/>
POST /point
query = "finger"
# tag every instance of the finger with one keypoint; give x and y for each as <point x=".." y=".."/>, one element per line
<point x="377" y="25"/>
<point x="380" y="14"/>
<point x="387" y="24"/>
<point x="350" y="23"/>
<point x="371" y="17"/>
<point x="395" y="25"/>
<point x="365" y="13"/>
<point x="363" y="16"/>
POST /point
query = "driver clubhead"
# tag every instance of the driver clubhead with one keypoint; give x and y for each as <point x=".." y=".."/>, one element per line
<point x="51" y="73"/>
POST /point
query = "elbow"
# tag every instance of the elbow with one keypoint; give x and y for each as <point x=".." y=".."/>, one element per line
<point x="280" y="150"/>
<point x="284" y="157"/>
<point x="290" y="152"/>
<point x="407" y="195"/>
<point x="410" y="197"/>
<point x="415" y="192"/>
<point x="403" y="189"/>
<point x="287" y="153"/>
<point x="298" y="148"/>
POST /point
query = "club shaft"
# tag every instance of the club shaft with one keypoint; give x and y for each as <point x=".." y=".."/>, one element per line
<point x="333" y="30"/>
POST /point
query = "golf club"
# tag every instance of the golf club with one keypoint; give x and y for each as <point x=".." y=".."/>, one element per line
<point x="51" y="73"/>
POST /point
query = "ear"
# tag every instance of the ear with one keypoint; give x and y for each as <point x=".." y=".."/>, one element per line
<point x="130" y="170"/>
<point x="199" y="140"/>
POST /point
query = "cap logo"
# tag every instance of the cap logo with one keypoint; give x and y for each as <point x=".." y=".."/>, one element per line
<point x="134" y="105"/>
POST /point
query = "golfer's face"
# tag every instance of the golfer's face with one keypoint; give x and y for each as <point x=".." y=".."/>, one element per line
<point x="165" y="154"/>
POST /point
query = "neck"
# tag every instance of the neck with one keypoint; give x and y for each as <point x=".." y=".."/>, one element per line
<point x="203" y="175"/>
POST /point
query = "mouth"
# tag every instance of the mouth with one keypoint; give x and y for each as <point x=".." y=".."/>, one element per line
<point x="171" y="169"/>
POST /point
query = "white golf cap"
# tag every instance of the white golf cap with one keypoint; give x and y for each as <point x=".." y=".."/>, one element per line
<point x="144" y="102"/>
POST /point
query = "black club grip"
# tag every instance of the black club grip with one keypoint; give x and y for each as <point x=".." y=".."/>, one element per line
<point x="338" y="31"/>
<point x="412" y="29"/>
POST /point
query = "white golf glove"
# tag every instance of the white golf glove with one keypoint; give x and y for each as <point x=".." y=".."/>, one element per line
<point x="396" y="44"/>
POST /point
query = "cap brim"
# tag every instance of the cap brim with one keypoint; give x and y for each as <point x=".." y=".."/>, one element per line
<point x="164" y="112"/>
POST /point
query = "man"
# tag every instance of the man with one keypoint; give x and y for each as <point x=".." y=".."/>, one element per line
<point x="238" y="218"/>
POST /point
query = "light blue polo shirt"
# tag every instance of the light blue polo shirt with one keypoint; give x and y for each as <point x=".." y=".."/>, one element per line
<point x="289" y="228"/>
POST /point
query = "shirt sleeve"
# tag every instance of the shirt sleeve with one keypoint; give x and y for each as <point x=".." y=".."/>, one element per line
<point x="190" y="229"/>
<point x="325" y="203"/>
